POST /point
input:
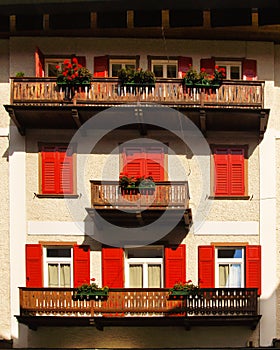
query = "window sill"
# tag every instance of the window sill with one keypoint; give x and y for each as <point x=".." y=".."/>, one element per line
<point x="40" y="195"/>
<point x="230" y="197"/>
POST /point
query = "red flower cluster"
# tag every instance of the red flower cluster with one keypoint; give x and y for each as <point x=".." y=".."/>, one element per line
<point x="73" y="73"/>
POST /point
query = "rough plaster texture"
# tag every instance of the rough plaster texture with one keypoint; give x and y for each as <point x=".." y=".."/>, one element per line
<point x="4" y="241"/>
<point x="278" y="234"/>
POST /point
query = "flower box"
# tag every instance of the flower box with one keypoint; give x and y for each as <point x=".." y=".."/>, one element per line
<point x="93" y="295"/>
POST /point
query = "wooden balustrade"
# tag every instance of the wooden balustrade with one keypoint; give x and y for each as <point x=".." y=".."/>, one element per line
<point x="108" y="194"/>
<point x="235" y="94"/>
<point x="139" y="302"/>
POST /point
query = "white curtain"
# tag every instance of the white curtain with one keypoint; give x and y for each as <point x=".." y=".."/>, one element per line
<point x="135" y="276"/>
<point x="230" y="276"/>
<point x="54" y="280"/>
<point x="154" y="276"/>
<point x="53" y="275"/>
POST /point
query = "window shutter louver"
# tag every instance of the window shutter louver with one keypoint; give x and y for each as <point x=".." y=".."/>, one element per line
<point x="112" y="267"/>
<point x="101" y="66"/>
<point x="183" y="65"/>
<point x="81" y="258"/>
<point x="253" y="267"/>
<point x="34" y="265"/>
<point x="133" y="161"/>
<point x="39" y="63"/>
<point x="236" y="168"/>
<point x="154" y="165"/>
<point x="206" y="267"/>
<point x="249" y="69"/>
<point x="49" y="174"/>
<point x="81" y="60"/>
<point x="65" y="170"/>
<point x="208" y="64"/>
<point x="221" y="172"/>
<point x="175" y="265"/>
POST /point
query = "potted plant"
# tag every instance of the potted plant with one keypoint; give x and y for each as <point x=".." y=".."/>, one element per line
<point x="134" y="185"/>
<point x="147" y="185"/>
<point x="183" y="289"/>
<point x="202" y="79"/>
<point x="71" y="76"/>
<point x="136" y="80"/>
<point x="90" y="292"/>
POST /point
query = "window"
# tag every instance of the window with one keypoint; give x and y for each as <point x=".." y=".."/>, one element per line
<point x="117" y="64"/>
<point x="151" y="266"/>
<point x="229" y="267"/>
<point x="58" y="267"/>
<point x="229" y="171"/>
<point x="165" y="68"/>
<point x="50" y="66"/>
<point x="57" y="174"/>
<point x="233" y="69"/>
<point x="144" y="267"/>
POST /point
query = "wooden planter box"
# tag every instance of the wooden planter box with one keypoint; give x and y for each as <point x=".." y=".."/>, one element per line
<point x="183" y="294"/>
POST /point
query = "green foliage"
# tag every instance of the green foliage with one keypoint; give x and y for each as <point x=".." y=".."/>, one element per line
<point x="136" y="76"/>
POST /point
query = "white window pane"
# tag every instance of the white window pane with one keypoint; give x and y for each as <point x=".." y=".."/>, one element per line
<point x="53" y="275"/>
<point x="230" y="276"/>
<point x="135" y="276"/>
<point x="154" y="276"/>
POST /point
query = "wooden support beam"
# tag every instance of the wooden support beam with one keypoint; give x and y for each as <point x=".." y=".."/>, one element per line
<point x="76" y="117"/>
<point x="206" y="19"/>
<point x="263" y="122"/>
<point x="46" y="21"/>
<point x="165" y="18"/>
<point x="12" y="115"/>
<point x="202" y="118"/>
<point x="130" y="19"/>
<point x="93" y="20"/>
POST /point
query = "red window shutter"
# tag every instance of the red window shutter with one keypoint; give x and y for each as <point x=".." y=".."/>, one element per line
<point x="253" y="267"/>
<point x="34" y="265"/>
<point x="39" y="63"/>
<point x="81" y="257"/>
<point x="249" y="70"/>
<point x="221" y="172"/>
<point x="236" y="168"/>
<point x="183" y="65"/>
<point x="101" y="66"/>
<point x="49" y="174"/>
<point x="133" y="161"/>
<point x="206" y="266"/>
<point x="81" y="60"/>
<point x="65" y="159"/>
<point x="154" y="164"/>
<point x="208" y="64"/>
<point x="175" y="265"/>
<point x="57" y="170"/>
<point x="112" y="267"/>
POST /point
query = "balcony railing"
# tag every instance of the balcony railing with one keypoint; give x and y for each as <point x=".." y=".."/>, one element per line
<point x="107" y="194"/>
<point x="107" y="91"/>
<point x="149" y="302"/>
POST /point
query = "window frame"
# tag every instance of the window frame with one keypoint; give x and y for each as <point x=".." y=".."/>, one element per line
<point x="228" y="64"/>
<point x="123" y="62"/>
<point x="239" y="261"/>
<point x="58" y="260"/>
<point x="53" y="60"/>
<point x="213" y="195"/>
<point x="145" y="262"/>
<point x="41" y="193"/>
<point x="164" y="63"/>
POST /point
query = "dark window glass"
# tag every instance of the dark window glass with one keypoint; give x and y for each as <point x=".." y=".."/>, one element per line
<point x="29" y="22"/>
<point x="185" y="18"/>
<point x="111" y="19"/>
<point x="59" y="252"/>
<point x="147" y="18"/>
<point x="230" y="253"/>
<point x="4" y="23"/>
<point x="269" y="16"/>
<point x="231" y="17"/>
<point x="70" y="21"/>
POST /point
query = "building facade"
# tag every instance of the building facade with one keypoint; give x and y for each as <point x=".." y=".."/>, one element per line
<point x="209" y="216"/>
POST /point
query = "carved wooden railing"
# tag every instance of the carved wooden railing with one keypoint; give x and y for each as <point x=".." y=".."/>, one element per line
<point x="235" y="94"/>
<point x="107" y="194"/>
<point x="139" y="302"/>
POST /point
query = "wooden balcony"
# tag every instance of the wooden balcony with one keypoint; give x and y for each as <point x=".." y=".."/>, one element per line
<point x="40" y="103"/>
<point x="132" y="307"/>
<point x="138" y="208"/>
